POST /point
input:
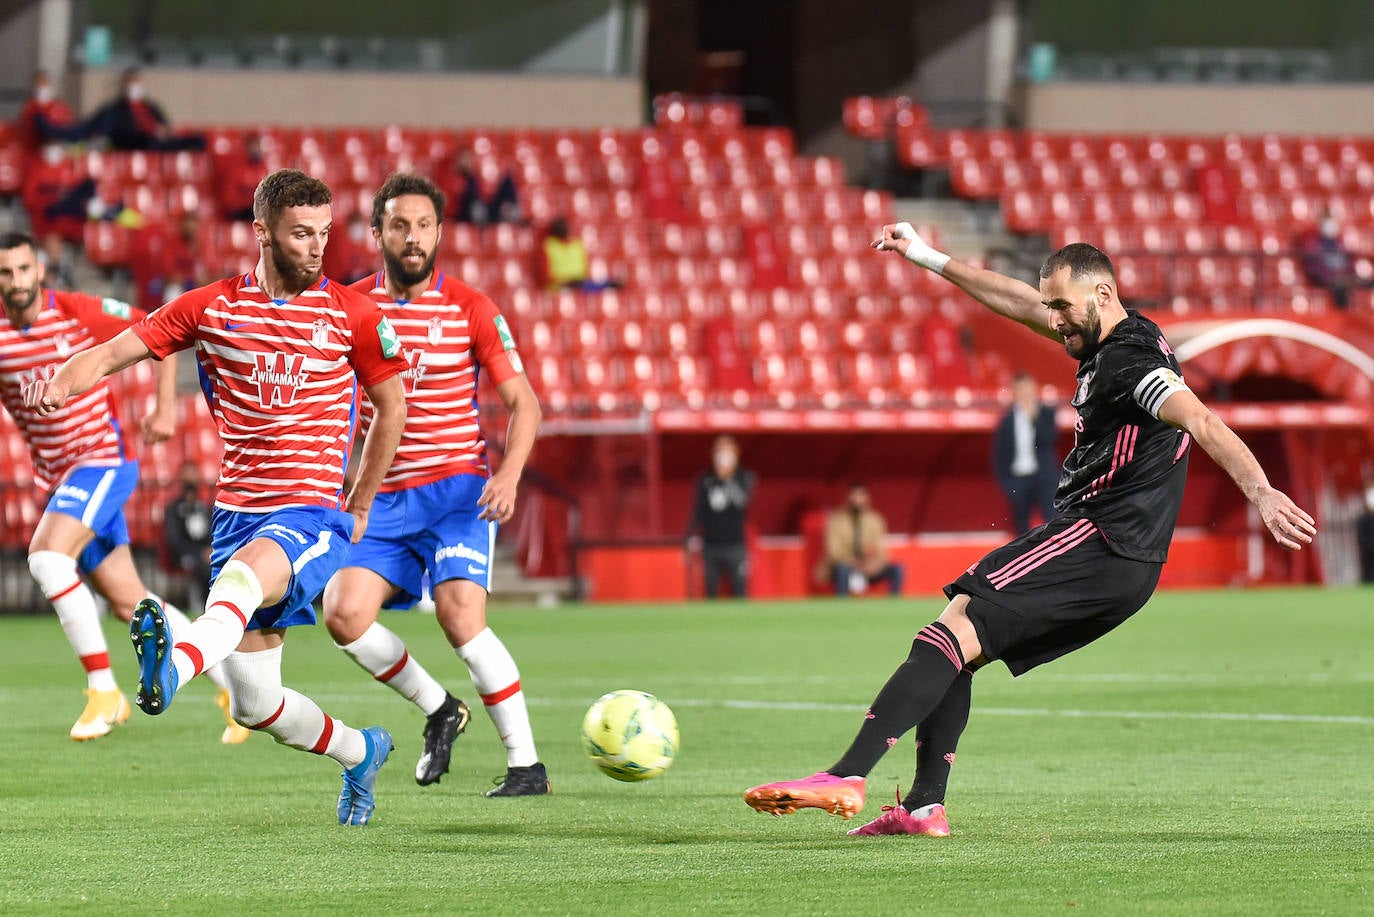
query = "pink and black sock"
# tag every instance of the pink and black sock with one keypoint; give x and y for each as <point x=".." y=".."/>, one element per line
<point x="937" y="739"/>
<point x="909" y="696"/>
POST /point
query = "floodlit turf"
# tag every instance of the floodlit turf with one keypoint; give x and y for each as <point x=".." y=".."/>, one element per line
<point x="1215" y="755"/>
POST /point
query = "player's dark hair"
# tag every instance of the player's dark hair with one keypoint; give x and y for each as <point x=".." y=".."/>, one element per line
<point x="1083" y="260"/>
<point x="402" y="183"/>
<point x="12" y="240"/>
<point x="287" y="188"/>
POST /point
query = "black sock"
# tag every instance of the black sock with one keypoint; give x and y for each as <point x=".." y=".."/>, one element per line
<point x="907" y="698"/>
<point x="937" y="737"/>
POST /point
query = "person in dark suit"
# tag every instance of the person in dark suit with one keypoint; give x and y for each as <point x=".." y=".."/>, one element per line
<point x="1025" y="456"/>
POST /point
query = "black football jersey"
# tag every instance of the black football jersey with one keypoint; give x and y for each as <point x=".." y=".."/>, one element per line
<point x="1127" y="467"/>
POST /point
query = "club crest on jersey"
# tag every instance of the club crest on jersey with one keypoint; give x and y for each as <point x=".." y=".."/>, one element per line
<point x="319" y="333"/>
<point x="278" y="376"/>
<point x="1081" y="395"/>
<point x="436" y="331"/>
<point x="415" y="361"/>
<point x="63" y="344"/>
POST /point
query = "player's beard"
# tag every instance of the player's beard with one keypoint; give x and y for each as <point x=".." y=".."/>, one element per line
<point x="293" y="276"/>
<point x="1089" y="333"/>
<point x="396" y="269"/>
<point x="17" y="302"/>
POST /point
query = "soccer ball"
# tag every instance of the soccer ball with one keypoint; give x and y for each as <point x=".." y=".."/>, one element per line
<point x="630" y="735"/>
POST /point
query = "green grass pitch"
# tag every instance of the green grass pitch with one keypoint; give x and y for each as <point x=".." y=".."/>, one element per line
<point x="1213" y="756"/>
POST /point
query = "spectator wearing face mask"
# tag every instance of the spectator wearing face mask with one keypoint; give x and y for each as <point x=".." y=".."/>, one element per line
<point x="45" y="118"/>
<point x="133" y="121"/>
<point x="718" y="518"/>
<point x="1328" y="263"/>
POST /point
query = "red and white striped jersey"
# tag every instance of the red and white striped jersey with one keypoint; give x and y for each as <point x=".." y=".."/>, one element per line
<point x="279" y="376"/>
<point x="86" y="429"/>
<point x="451" y="332"/>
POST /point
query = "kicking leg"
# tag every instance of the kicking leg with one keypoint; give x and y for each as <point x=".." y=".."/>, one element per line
<point x="259" y="700"/>
<point x="936" y="659"/>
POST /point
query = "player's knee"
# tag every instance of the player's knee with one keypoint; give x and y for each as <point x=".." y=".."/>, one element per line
<point x="346" y="621"/>
<point x="955" y="617"/>
<point x="462" y="615"/>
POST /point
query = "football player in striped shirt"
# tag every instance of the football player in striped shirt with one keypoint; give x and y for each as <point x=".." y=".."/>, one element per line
<point x="83" y="460"/>
<point x="281" y="352"/>
<point x="440" y="502"/>
<point x="1062" y="585"/>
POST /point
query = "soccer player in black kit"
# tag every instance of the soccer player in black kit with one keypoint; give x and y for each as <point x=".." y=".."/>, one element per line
<point x="1060" y="586"/>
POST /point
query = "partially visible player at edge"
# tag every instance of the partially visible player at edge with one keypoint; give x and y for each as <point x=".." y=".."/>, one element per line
<point x="440" y="504"/>
<point x="1060" y="586"/>
<point x="84" y="463"/>
<point x="281" y="351"/>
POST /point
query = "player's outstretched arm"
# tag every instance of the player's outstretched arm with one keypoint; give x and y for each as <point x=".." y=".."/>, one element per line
<point x="162" y="422"/>
<point x="84" y="370"/>
<point x="388" y="399"/>
<point x="1004" y="295"/>
<point x="498" y="495"/>
<point x="1290" y="525"/>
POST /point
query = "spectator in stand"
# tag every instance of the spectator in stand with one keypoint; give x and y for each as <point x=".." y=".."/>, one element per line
<point x="1025" y="459"/>
<point x="132" y="121"/>
<point x="45" y="118"/>
<point x="1328" y="262"/>
<point x="57" y="264"/>
<point x="236" y="179"/>
<point x="718" y="515"/>
<point x="351" y="253"/>
<point x="186" y="526"/>
<point x="481" y="193"/>
<point x="855" y="550"/>
<point x="562" y="261"/>
<point x="169" y="260"/>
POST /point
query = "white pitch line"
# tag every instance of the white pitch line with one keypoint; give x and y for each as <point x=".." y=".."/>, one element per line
<point x="818" y="707"/>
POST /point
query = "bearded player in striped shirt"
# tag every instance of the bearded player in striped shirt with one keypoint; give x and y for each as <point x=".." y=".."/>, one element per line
<point x="1060" y="586"/>
<point x="83" y="460"/>
<point x="440" y="504"/>
<point x="281" y="351"/>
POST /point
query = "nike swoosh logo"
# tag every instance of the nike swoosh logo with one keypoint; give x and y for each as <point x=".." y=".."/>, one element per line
<point x="234" y="326"/>
<point x="475" y="571"/>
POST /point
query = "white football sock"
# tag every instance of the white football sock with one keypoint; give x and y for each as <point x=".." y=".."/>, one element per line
<point x="179" y="623"/>
<point x="384" y="654"/>
<point x="74" y="603"/>
<point x="258" y="701"/>
<point x="497" y="680"/>
<point x="234" y="596"/>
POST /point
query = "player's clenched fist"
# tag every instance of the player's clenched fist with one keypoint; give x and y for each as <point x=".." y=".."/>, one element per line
<point x="903" y="239"/>
<point x="44" y="395"/>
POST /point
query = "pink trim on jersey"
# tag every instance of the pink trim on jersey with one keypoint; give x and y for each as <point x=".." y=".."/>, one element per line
<point x="84" y="431"/>
<point x="450" y="336"/>
<point x="282" y="380"/>
<point x="1182" y="447"/>
<point x="1041" y="554"/>
<point x="1121" y="454"/>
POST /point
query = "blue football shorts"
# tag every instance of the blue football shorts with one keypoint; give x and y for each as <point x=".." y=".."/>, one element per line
<point x="431" y="528"/>
<point x="315" y="538"/>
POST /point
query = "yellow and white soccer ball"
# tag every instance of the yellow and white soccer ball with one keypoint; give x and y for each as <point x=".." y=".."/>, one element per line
<point x="630" y="735"/>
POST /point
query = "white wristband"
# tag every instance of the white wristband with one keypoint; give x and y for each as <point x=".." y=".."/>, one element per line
<point x="918" y="252"/>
